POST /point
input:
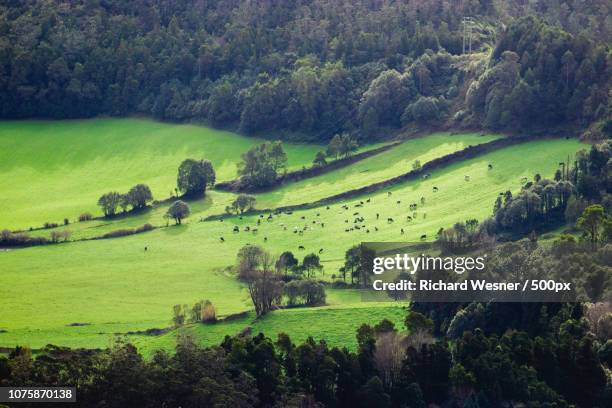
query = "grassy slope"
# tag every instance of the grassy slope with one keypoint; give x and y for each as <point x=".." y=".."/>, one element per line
<point x="52" y="170"/>
<point x="372" y="170"/>
<point x="377" y="168"/>
<point x="336" y="326"/>
<point x="114" y="284"/>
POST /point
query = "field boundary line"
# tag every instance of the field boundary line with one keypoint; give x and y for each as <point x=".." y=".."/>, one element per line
<point x="469" y="152"/>
<point x="233" y="186"/>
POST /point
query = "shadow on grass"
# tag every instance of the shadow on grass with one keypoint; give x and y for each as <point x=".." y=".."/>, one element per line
<point x="174" y="230"/>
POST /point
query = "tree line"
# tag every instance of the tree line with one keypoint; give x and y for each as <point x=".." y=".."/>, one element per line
<point x="310" y="68"/>
<point x="554" y="355"/>
<point x="268" y="280"/>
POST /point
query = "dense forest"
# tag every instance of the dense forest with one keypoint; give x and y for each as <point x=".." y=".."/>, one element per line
<point x="312" y="68"/>
<point x="545" y="355"/>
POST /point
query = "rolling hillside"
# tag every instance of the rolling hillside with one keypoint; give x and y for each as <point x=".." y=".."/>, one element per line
<point x="84" y="293"/>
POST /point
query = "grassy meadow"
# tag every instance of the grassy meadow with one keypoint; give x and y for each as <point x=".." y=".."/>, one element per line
<point x="115" y="287"/>
<point x="56" y="170"/>
<point x="377" y="168"/>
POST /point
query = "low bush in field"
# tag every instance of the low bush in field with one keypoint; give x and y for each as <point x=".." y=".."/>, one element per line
<point x="56" y="236"/>
<point x="305" y="291"/>
<point x="85" y="217"/>
<point x="128" y="231"/>
<point x="8" y="239"/>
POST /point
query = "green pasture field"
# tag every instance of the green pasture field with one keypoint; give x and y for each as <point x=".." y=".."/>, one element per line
<point x="51" y="170"/>
<point x="336" y="325"/>
<point x="117" y="287"/>
<point x="380" y="167"/>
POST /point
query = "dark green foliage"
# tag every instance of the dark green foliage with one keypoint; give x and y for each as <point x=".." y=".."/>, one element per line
<point x="194" y="176"/>
<point x="179" y="210"/>
<point x="261" y="165"/>
<point x="242" y="203"/>
<point x="286" y="262"/>
<point x="541" y="76"/>
<point x="319" y="160"/>
<point x="545" y="203"/>
<point x="309" y="292"/>
<point x="559" y="367"/>
<point x="139" y="196"/>
<point x="109" y="203"/>
<point x="317" y="68"/>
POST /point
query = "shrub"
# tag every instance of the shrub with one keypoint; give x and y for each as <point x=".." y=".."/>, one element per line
<point x="56" y="236"/>
<point x="7" y="238"/>
<point x="178" y="210"/>
<point x="48" y="225"/>
<point x="85" y="217"/>
<point x="66" y="221"/>
<point x="128" y="231"/>
<point x="310" y="292"/>
<point x="203" y="311"/>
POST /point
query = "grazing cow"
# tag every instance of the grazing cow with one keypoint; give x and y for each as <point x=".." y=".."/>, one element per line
<point x="435" y="189"/>
<point x="303" y="217"/>
<point x="377" y="215"/>
<point x="236" y="229"/>
<point x="424" y="215"/>
<point x="254" y="230"/>
<point x="368" y="200"/>
<point x="389" y="194"/>
<point x="422" y="200"/>
<point x="146" y="249"/>
<point x="399" y="202"/>
<point x="423" y="237"/>
<point x="368" y="231"/>
<point x="327" y="208"/>
<point x="467" y="178"/>
<point x="408" y="218"/>
<point x="356" y="213"/>
<point x="260" y="215"/>
<point x="222" y="239"/>
<point x="318" y="214"/>
<point x="258" y="222"/>
<point x="389" y="220"/>
<point x="357" y="227"/>
<point x="247" y="228"/>
<point x="321" y="251"/>
<point x="265" y="239"/>
<point x="240" y="217"/>
<point x="301" y="247"/>
<point x="361" y="202"/>
<point x="221" y="219"/>
<point x="402" y="230"/>
<point x="490" y="166"/>
<point x="322" y="225"/>
<point x="346" y="221"/>
<point x="375" y="228"/>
